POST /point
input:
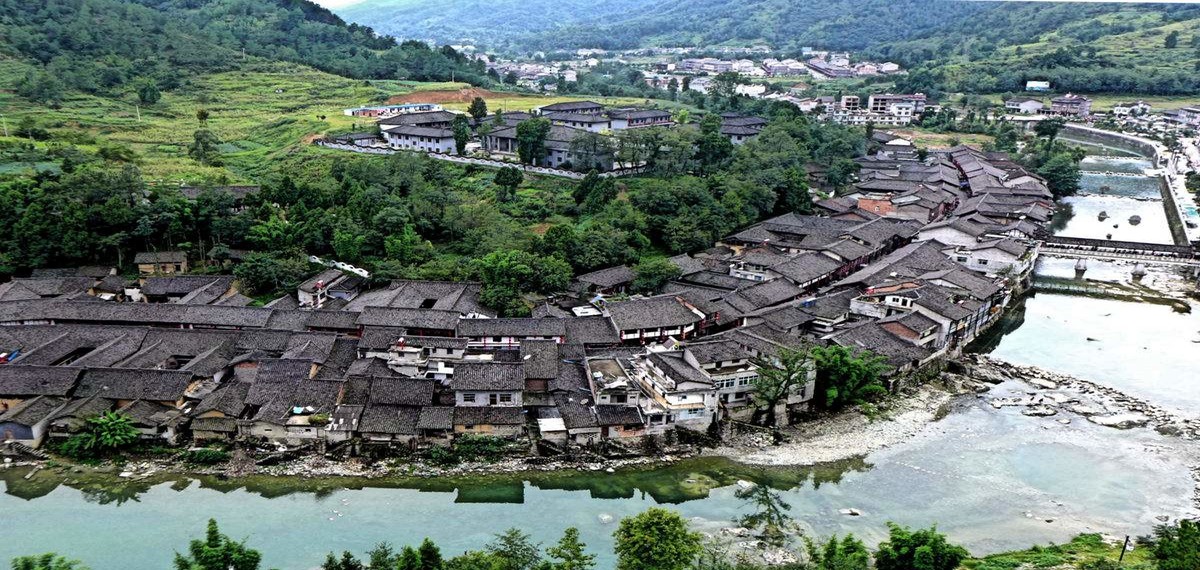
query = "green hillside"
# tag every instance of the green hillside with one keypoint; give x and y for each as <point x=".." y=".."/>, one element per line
<point x="982" y="47"/>
<point x="106" y="46"/>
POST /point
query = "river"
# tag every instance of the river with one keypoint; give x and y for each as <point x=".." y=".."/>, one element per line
<point x="992" y="479"/>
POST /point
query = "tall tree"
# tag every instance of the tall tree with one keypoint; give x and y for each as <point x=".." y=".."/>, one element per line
<point x="531" y="140"/>
<point x="478" y="109"/>
<point x="1049" y="128"/>
<point x="205" y="148"/>
<point x="148" y="92"/>
<point x="651" y="275"/>
<point x="848" y="376"/>
<point x="656" y="539"/>
<point x="1177" y="547"/>
<point x="1062" y="174"/>
<point x="217" y="552"/>
<point x="570" y="554"/>
<point x="431" y="555"/>
<point x="778" y="378"/>
<point x="508" y="179"/>
<point x="516" y="549"/>
<point x="591" y="151"/>
<point x="462" y="133"/>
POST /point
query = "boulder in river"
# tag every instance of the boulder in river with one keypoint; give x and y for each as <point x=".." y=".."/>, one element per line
<point x="1039" y="411"/>
<point x="1120" y="421"/>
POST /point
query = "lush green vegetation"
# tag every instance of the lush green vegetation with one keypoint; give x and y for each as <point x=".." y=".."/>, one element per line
<point x="847" y="376"/>
<point x="952" y="46"/>
<point x="104" y="46"/>
<point x="659" y="539"/>
<point x="217" y="552"/>
<point x="101" y="435"/>
<point x="624" y="24"/>
<point x="400" y="216"/>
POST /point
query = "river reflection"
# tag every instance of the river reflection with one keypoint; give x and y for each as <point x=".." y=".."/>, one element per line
<point x="990" y="478"/>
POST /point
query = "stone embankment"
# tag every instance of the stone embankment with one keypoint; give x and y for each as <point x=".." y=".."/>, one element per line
<point x="1056" y="394"/>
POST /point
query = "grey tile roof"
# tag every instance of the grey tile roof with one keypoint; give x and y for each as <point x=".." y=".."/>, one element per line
<point x="389" y="419"/>
<point x="513" y="327"/>
<point x="429" y="319"/>
<point x="653" y="312"/>
<point x="488" y="376"/>
<point x="402" y="391"/>
<point x="540" y="358"/>
<point x="148" y="257"/>
<point x="593" y="331"/>
<point x="608" y="277"/>
<point x="488" y="415"/>
<point x="436" y="418"/>
<point x="611" y="415"/>
<point x="32" y="411"/>
<point x="133" y="384"/>
<point x="16" y="380"/>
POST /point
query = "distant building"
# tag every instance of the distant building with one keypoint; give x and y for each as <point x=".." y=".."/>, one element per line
<point x="1037" y="86"/>
<point x="1024" y="106"/>
<point x="1135" y="109"/>
<point x="161" y="262"/>
<point x="1071" y="105"/>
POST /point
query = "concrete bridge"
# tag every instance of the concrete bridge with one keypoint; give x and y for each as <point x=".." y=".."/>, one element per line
<point x="1086" y="248"/>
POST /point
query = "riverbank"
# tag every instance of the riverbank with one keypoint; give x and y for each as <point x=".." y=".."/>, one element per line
<point x="848" y="434"/>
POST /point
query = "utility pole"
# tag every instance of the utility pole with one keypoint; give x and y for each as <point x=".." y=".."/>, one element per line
<point x="138" y="111"/>
<point x="1124" y="549"/>
<point x="4" y="120"/>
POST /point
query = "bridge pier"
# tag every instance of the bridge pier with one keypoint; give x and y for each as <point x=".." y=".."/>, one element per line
<point x="1139" y="271"/>
<point x="1080" y="268"/>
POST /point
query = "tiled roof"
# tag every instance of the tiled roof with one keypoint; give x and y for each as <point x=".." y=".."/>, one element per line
<point x="133" y="384"/>
<point x="488" y="376"/>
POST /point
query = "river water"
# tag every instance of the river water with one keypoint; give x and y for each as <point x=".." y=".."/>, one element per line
<point x="1113" y="191"/>
<point x="992" y="479"/>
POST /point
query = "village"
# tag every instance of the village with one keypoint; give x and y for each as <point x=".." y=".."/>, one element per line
<point x="919" y="258"/>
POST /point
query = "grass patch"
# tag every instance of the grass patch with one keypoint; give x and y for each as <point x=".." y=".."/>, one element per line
<point x="1084" y="551"/>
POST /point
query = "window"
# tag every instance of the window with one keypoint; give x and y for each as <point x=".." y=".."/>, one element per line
<point x="506" y="398"/>
<point x="983" y="262"/>
<point x="619" y="398"/>
<point x="468" y="397"/>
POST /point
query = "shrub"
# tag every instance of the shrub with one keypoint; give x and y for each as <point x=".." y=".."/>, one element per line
<point x="318" y="420"/>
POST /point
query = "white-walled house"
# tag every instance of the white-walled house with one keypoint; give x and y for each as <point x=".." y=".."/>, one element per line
<point x="423" y="139"/>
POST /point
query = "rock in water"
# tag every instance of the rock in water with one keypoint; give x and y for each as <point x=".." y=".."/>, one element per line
<point x="1039" y="411"/>
<point x="1120" y="421"/>
<point x="605" y="518"/>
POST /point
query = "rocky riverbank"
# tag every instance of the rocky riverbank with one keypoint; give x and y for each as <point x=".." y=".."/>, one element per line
<point x="849" y="434"/>
<point x="1064" y="396"/>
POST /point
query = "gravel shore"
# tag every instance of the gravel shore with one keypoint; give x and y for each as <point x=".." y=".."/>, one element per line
<point x="845" y="435"/>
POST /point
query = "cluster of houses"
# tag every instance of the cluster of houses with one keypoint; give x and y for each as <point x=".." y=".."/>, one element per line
<point x="495" y="136"/>
<point x="881" y="109"/>
<point x="912" y="265"/>
<point x="1069" y="105"/>
<point x="816" y="64"/>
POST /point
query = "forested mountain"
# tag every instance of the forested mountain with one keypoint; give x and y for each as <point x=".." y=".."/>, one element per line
<point x="959" y="46"/>
<point x="99" y="45"/>
<point x="623" y="24"/>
